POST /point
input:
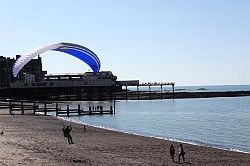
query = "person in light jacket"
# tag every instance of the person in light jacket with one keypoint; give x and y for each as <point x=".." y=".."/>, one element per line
<point x="181" y="153"/>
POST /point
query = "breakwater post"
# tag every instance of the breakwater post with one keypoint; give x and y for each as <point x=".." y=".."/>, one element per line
<point x="79" y="109"/>
<point x="22" y="111"/>
<point x="56" y="109"/>
<point x="68" y="111"/>
<point x="45" y="109"/>
<point x="10" y="106"/>
<point x="34" y="108"/>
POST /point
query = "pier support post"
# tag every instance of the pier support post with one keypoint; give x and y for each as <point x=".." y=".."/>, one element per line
<point x="161" y="91"/>
<point x="137" y="92"/>
<point x="126" y="92"/>
<point x="149" y="87"/>
<point x="173" y="90"/>
<point x="114" y="104"/>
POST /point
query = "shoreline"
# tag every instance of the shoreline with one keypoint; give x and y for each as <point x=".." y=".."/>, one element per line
<point x="38" y="140"/>
<point x="160" y="138"/>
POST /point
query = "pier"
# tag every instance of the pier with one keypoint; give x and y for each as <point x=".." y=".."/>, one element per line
<point x="86" y="87"/>
<point x="144" y="94"/>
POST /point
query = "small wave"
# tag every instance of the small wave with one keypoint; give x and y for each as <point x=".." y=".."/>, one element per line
<point x="240" y="151"/>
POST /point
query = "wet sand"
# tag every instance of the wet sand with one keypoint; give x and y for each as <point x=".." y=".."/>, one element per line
<point x="39" y="140"/>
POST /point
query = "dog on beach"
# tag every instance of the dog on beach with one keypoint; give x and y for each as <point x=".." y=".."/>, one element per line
<point x="1" y="133"/>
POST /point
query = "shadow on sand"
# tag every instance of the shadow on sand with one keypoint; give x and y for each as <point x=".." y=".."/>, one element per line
<point x="188" y="163"/>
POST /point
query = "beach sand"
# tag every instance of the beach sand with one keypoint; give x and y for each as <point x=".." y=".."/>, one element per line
<point x="39" y="140"/>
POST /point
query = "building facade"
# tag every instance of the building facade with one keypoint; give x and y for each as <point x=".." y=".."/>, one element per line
<point x="6" y="71"/>
<point x="86" y="86"/>
<point x="33" y="69"/>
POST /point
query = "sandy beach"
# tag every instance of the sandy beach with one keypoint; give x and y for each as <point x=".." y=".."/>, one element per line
<point x="39" y="140"/>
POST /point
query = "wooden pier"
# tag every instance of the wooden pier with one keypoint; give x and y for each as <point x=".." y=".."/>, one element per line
<point x="17" y="107"/>
<point x="144" y="94"/>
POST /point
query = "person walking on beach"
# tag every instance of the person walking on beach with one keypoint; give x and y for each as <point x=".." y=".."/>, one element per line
<point x="84" y="128"/>
<point x="181" y="153"/>
<point x="66" y="133"/>
<point x="172" y="152"/>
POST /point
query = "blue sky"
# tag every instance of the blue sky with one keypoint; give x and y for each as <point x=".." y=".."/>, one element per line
<point x="190" y="42"/>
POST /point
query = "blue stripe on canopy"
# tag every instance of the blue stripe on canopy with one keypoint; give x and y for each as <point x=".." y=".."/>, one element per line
<point x="89" y="59"/>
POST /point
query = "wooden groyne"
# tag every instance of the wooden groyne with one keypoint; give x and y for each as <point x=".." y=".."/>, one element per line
<point x="43" y="108"/>
<point x="74" y="112"/>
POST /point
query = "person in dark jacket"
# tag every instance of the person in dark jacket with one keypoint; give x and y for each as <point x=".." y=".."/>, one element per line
<point x="172" y="152"/>
<point x="66" y="133"/>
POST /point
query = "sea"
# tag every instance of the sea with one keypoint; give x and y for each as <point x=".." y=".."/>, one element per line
<point x="222" y="122"/>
